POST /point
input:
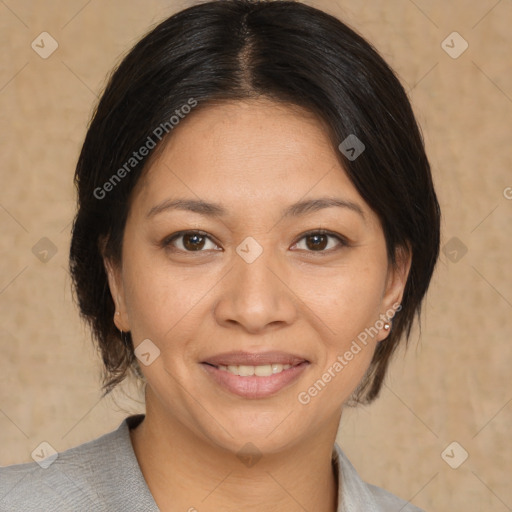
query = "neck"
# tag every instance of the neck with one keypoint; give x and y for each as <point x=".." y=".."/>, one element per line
<point x="187" y="472"/>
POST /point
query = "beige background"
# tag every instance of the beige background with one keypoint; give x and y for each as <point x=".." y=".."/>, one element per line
<point x="452" y="385"/>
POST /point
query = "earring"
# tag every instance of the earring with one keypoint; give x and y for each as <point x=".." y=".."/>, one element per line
<point x="387" y="326"/>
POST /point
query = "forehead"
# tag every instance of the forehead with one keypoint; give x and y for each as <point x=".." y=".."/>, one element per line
<point x="247" y="152"/>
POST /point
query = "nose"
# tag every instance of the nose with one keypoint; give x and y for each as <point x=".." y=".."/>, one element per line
<point x="255" y="295"/>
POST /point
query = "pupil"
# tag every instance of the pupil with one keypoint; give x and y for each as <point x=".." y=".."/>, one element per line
<point x="193" y="245"/>
<point x="316" y="238"/>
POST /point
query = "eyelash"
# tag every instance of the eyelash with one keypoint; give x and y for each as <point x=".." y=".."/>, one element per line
<point x="168" y="241"/>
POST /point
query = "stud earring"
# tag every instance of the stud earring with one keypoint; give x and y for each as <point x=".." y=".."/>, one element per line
<point x="387" y="326"/>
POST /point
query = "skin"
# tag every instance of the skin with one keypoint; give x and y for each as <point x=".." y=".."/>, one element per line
<point x="254" y="158"/>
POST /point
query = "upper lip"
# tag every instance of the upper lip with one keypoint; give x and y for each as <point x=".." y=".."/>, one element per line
<point x="254" y="359"/>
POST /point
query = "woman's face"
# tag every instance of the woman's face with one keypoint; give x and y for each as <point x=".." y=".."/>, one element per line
<point x="258" y="287"/>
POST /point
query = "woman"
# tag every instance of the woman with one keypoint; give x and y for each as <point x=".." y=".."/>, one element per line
<point x="256" y="230"/>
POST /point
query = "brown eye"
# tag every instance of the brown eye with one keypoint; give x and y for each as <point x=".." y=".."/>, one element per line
<point x="189" y="241"/>
<point x="193" y="242"/>
<point x="315" y="242"/>
<point x="318" y="241"/>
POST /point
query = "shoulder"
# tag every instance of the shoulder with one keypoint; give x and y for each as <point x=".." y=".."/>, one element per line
<point x="391" y="502"/>
<point x="67" y="481"/>
<point x="359" y="496"/>
<point x="86" y="477"/>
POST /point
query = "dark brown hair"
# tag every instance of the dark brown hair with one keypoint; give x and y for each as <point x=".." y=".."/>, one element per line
<point x="241" y="49"/>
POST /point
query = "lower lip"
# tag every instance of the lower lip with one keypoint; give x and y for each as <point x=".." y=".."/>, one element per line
<point x="254" y="386"/>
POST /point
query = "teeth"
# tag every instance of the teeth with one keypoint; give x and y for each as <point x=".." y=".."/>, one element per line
<point x="265" y="370"/>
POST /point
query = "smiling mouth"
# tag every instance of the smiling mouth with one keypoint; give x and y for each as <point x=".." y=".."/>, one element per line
<point x="264" y="370"/>
<point x="255" y="375"/>
<point x="256" y="381"/>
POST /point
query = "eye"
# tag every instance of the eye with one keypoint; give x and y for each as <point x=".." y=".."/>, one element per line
<point x="189" y="241"/>
<point x="197" y="241"/>
<point x="317" y="241"/>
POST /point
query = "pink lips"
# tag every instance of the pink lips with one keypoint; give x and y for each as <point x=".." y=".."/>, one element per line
<point x="253" y="386"/>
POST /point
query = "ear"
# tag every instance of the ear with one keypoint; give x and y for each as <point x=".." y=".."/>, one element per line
<point x="395" y="284"/>
<point x="116" y="285"/>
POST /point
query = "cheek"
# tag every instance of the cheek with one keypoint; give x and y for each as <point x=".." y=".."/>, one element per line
<point x="157" y="297"/>
<point x="160" y="304"/>
<point x="345" y="300"/>
<point x="347" y="310"/>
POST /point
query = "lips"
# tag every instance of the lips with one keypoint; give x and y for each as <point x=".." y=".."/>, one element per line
<point x="240" y="358"/>
<point x="254" y="375"/>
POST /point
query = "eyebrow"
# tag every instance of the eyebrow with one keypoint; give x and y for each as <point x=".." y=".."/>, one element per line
<point x="209" y="209"/>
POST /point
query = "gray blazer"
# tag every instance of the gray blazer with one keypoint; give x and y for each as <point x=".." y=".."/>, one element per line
<point x="103" y="475"/>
